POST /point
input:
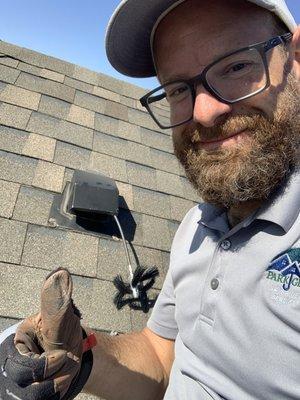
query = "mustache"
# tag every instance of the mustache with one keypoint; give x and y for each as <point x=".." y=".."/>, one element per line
<point x="232" y="125"/>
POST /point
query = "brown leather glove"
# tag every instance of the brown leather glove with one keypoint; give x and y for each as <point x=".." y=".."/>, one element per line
<point x="55" y="335"/>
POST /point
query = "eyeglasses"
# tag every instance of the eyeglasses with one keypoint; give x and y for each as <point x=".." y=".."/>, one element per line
<point x="234" y="77"/>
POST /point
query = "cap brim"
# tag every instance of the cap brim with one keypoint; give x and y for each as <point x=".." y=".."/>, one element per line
<point x="128" y="36"/>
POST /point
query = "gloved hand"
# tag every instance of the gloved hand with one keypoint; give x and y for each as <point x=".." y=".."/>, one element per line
<point x="45" y="359"/>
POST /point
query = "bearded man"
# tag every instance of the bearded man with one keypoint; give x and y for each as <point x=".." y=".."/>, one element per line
<point x="226" y="324"/>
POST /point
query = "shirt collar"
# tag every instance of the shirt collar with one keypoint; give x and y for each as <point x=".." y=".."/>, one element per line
<point x="282" y="208"/>
<point x="213" y="217"/>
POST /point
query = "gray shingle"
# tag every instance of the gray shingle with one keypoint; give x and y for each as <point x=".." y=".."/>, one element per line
<point x="139" y="319"/>
<point x="150" y="202"/>
<point x="43" y="247"/>
<point x="126" y="192"/>
<point x="49" y="176"/>
<point x="149" y="257"/>
<point x="62" y="130"/>
<point x="43" y="61"/>
<point x="12" y="236"/>
<point x="156" y="233"/>
<point x="52" y="75"/>
<point x="6" y="323"/>
<point x="141" y="118"/>
<point x="95" y="300"/>
<point x="72" y="156"/>
<point x="68" y="176"/>
<point x="9" y="62"/>
<point x="8" y="196"/>
<point x="55" y="107"/>
<point x="140" y="175"/>
<point x="81" y="116"/>
<point x="74" y="83"/>
<point x="166" y="263"/>
<point x="17" y="168"/>
<point x="153" y="258"/>
<point x="23" y="297"/>
<point x="112" y="260"/>
<point x="181" y="170"/>
<point x="80" y="254"/>
<point x="49" y="248"/>
<point x="106" y="124"/>
<point x="157" y="140"/>
<point x="138" y="153"/>
<point x="169" y="183"/>
<point x="33" y="206"/>
<point x="14" y="116"/>
<point x="179" y="207"/>
<point x="129" y="131"/>
<point x="127" y="101"/>
<point x="190" y="192"/>
<point x="115" y="168"/>
<point x="46" y="86"/>
<point x="164" y="161"/>
<point x="106" y="94"/>
<point x="85" y="75"/>
<point x="173" y="227"/>
<point x="3" y="86"/>
<point x="43" y="124"/>
<point x="139" y="233"/>
<point x="89" y="101"/>
<point x="8" y="74"/>
<point x="8" y="49"/>
<point x="109" y="83"/>
<point x="20" y="97"/>
<point x="38" y="146"/>
<point x="31" y="69"/>
<point x="116" y="110"/>
<point x="133" y="91"/>
<point x="12" y="140"/>
<point x="76" y="134"/>
<point x="165" y="259"/>
<point x="60" y="66"/>
<point x="110" y="145"/>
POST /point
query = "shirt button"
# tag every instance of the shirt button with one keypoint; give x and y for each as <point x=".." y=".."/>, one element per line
<point x="226" y="244"/>
<point x="214" y="284"/>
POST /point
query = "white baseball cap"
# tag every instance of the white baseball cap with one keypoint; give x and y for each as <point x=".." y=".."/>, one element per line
<point x="130" y="29"/>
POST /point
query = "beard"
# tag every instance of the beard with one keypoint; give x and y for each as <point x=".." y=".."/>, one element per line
<point x="253" y="169"/>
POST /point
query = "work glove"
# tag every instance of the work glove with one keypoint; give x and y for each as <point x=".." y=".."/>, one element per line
<point x="49" y="356"/>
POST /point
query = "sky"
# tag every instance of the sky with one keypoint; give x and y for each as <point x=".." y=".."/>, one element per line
<point x="72" y="30"/>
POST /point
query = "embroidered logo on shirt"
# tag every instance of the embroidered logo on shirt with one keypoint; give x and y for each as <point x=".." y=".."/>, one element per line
<point x="285" y="269"/>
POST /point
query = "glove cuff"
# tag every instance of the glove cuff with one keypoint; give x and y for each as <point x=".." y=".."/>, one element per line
<point x="85" y="370"/>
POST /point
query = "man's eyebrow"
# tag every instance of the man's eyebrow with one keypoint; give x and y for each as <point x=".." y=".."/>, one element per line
<point x="174" y="78"/>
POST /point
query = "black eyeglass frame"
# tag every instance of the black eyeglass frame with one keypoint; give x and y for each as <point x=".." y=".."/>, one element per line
<point x="261" y="47"/>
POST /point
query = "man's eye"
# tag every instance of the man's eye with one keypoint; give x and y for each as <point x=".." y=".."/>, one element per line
<point x="177" y="92"/>
<point x="238" y="67"/>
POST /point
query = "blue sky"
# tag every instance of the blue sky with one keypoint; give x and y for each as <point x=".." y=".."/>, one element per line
<point x="72" y="30"/>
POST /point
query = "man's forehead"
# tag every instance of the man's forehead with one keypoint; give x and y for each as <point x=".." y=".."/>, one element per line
<point x="212" y="18"/>
<point x="191" y="33"/>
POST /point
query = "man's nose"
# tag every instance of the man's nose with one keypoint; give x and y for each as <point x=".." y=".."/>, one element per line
<point x="208" y="109"/>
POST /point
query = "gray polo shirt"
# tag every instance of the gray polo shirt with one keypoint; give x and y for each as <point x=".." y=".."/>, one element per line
<point x="231" y="299"/>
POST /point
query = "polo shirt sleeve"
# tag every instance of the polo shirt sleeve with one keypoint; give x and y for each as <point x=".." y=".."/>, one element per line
<point x="162" y="320"/>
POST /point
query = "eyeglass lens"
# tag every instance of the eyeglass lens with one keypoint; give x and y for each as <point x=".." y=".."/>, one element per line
<point x="232" y="78"/>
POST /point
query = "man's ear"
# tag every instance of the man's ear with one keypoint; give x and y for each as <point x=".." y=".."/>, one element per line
<point x="295" y="50"/>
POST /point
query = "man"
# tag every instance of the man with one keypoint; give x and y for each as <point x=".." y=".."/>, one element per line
<point x="226" y="325"/>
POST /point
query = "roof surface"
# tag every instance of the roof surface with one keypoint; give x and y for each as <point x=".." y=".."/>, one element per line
<point x="56" y="117"/>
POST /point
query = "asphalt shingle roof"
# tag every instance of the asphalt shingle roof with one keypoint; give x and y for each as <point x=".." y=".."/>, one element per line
<point x="56" y="117"/>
